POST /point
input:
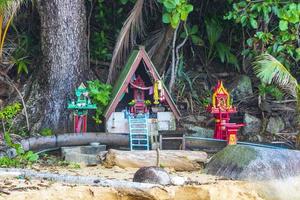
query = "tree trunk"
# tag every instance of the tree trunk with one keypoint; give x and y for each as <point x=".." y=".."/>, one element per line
<point x="64" y="64"/>
<point x="176" y="159"/>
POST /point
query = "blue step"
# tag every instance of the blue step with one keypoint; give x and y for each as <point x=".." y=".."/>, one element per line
<point x="139" y="145"/>
<point x="138" y="132"/>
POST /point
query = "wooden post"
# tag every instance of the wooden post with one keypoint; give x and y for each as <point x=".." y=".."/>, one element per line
<point x="160" y="142"/>
<point x="183" y="142"/>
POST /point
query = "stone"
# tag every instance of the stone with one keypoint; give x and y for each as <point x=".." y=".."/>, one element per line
<point x="11" y="152"/>
<point x="178" y="180"/>
<point x="88" y="155"/>
<point x="154" y="175"/>
<point x="253" y="125"/>
<point x="242" y="88"/>
<point x="200" y="131"/>
<point x="195" y="118"/>
<point x="254" y="163"/>
<point x="275" y="125"/>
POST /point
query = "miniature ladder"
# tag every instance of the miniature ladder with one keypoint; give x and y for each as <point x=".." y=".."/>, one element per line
<point x="138" y="132"/>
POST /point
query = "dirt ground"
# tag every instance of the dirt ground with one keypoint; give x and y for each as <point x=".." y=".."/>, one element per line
<point x="199" y="186"/>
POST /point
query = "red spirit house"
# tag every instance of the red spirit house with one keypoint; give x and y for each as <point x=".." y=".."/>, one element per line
<point x="140" y="90"/>
<point x="221" y="108"/>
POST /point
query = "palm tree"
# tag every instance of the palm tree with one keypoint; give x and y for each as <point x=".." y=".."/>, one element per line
<point x="8" y="9"/>
<point x="269" y="70"/>
<point x="157" y="42"/>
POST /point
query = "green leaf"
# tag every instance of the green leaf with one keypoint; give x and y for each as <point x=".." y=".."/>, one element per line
<point x="280" y="48"/>
<point x="249" y="42"/>
<point x="124" y="2"/>
<point x="222" y="51"/>
<point x="194" y="29"/>
<point x="22" y="67"/>
<point x="166" y="18"/>
<point x="197" y="40"/>
<point x="189" y="8"/>
<point x="175" y="19"/>
<point x="253" y="23"/>
<point x="169" y="4"/>
<point x="283" y="25"/>
<point x="232" y="59"/>
<point x="214" y="30"/>
<point x="243" y="20"/>
<point x="32" y="157"/>
<point x="184" y="15"/>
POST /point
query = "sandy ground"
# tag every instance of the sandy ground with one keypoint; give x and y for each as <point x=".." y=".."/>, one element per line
<point x="200" y="186"/>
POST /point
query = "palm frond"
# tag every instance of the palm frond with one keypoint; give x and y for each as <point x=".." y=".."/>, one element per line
<point x="131" y="30"/>
<point x="213" y="30"/>
<point x="154" y="40"/>
<point x="9" y="8"/>
<point x="269" y="70"/>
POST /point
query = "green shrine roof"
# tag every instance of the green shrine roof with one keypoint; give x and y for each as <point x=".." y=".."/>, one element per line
<point x="82" y="100"/>
<point x="122" y="77"/>
<point x="135" y="58"/>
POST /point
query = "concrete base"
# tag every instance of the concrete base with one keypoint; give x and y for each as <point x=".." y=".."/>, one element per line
<point x="88" y="155"/>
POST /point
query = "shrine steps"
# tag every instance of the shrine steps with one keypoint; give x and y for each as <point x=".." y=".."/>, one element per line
<point x="138" y="132"/>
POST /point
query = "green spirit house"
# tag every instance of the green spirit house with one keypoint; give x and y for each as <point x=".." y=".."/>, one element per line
<point x="80" y="108"/>
<point x="141" y="104"/>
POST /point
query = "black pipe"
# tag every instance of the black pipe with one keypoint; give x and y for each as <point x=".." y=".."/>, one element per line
<point x="74" y="139"/>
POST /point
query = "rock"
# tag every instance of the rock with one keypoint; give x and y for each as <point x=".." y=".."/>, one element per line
<point x="88" y="155"/>
<point x="178" y="180"/>
<point x="242" y="88"/>
<point x="259" y="138"/>
<point x="200" y="131"/>
<point x="11" y="153"/>
<point x="175" y="159"/>
<point x="254" y="163"/>
<point x="253" y="125"/>
<point x="275" y="125"/>
<point x="195" y="118"/>
<point x="155" y="175"/>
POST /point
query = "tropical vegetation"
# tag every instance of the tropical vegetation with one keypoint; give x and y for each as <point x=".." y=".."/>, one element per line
<point x="192" y="43"/>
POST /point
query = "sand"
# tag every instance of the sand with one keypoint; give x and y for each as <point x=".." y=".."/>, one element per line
<point x="200" y="186"/>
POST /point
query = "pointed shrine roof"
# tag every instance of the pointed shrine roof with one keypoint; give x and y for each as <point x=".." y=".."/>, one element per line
<point x="135" y="58"/>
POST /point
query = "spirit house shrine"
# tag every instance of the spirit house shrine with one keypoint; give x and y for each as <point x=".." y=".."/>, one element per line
<point x="141" y="104"/>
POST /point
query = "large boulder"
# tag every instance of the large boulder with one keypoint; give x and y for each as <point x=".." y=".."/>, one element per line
<point x="199" y="131"/>
<point x="241" y="88"/>
<point x="254" y="163"/>
<point x="195" y="119"/>
<point x="253" y="125"/>
<point x="275" y="125"/>
<point x="155" y="175"/>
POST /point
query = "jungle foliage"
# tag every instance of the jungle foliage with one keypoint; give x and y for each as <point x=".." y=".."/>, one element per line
<point x="22" y="158"/>
<point x="100" y="95"/>
<point x="269" y="27"/>
<point x="214" y="36"/>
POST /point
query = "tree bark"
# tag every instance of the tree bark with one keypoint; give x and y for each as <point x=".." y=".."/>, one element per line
<point x="177" y="159"/>
<point x="64" y="64"/>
